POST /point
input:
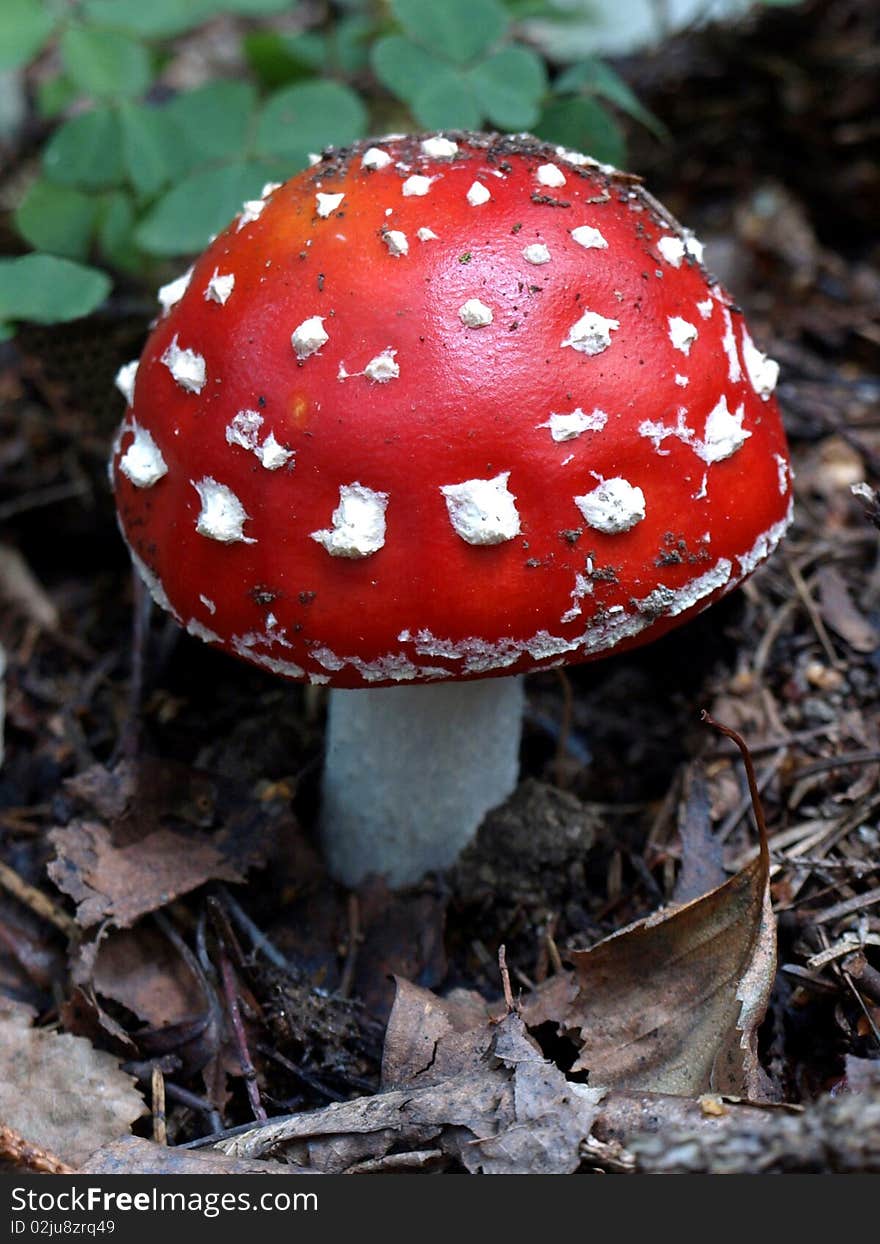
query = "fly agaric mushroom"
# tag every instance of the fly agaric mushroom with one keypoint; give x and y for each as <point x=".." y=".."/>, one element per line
<point x="443" y="410"/>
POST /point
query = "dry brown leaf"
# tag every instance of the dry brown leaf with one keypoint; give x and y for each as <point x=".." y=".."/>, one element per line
<point x="429" y="1039"/>
<point x="60" y="1092"/>
<point x="672" y="1004"/>
<point x="512" y="1113"/>
<point x="839" y="611"/>
<point x="142" y="970"/>
<point x="132" y="1155"/>
<point x="121" y="884"/>
<point x="155" y="830"/>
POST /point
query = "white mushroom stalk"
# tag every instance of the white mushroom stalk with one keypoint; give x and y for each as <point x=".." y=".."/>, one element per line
<point x="410" y="773"/>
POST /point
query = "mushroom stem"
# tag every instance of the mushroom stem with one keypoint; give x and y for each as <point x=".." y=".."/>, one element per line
<point x="411" y="771"/>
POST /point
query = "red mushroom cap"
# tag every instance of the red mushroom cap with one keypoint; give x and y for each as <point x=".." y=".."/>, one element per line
<point x="447" y="407"/>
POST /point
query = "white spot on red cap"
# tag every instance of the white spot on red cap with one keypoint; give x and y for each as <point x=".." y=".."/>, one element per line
<point x="426" y="235"/>
<point x="483" y="511"/>
<point x="765" y="544"/>
<point x="358" y="523"/>
<point x="251" y="210"/>
<point x="763" y="372"/>
<point x="613" y="507"/>
<point x="308" y="337"/>
<point x="269" y="188"/>
<point x="219" y="287"/>
<point x="439" y="148"/>
<point x="244" y="430"/>
<point x="724" y="433"/>
<point x="682" y="333"/>
<point x="582" y="587"/>
<point x="693" y="246"/>
<point x="550" y="175"/>
<point x="416" y="186"/>
<point x="475" y="314"/>
<point x="383" y="367"/>
<point x="125" y="379"/>
<point x="591" y="334"/>
<point x="536" y="253"/>
<point x="478" y="194"/>
<point x="705" y="307"/>
<point x="142" y="462"/>
<point x="222" y="515"/>
<point x="672" y="250"/>
<point x="783" y="473"/>
<point x="198" y="629"/>
<point x="208" y="603"/>
<point x="326" y="204"/>
<point x="589" y="238"/>
<point x="153" y="584"/>
<point x="170" y="295"/>
<point x="728" y="342"/>
<point x="186" y="367"/>
<point x="681" y="381"/>
<point x="568" y="427"/>
<point x="397" y="242"/>
<point x="374" y="158"/>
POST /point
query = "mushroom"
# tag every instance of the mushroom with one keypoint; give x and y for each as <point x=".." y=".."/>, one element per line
<point x="439" y="411"/>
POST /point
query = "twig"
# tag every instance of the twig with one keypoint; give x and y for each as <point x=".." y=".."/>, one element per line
<point x="768" y="773"/>
<point x="845" y="760"/>
<point x="37" y="901"/>
<point x="160" y="1130"/>
<point x="815" y="616"/>
<point x="866" y="977"/>
<point x="754" y="792"/>
<point x="230" y="990"/>
<point x="257" y="937"/>
<point x="306" y="1077"/>
<point x="505" y="981"/>
<point x="25" y="1156"/>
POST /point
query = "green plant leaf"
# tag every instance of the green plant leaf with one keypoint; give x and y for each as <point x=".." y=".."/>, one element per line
<point x="584" y="125"/>
<point x="308" y="49"/>
<point x="270" y="59"/>
<point x="147" y="146"/>
<point x="509" y="85"/>
<point x="54" y="94"/>
<point x="25" y="25"/>
<point x="185" y="218"/>
<point x="458" y="30"/>
<point x="214" y="119"/>
<point x="595" y="77"/>
<point x="115" y="231"/>
<point x="154" y="20"/>
<point x="403" y="66"/>
<point x="447" y="102"/>
<point x="349" y="43"/>
<point x="86" y="151"/>
<point x="256" y="8"/>
<point x="57" y="219"/>
<point x="303" y="118"/>
<point x="105" y="63"/>
<point x="46" y="289"/>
